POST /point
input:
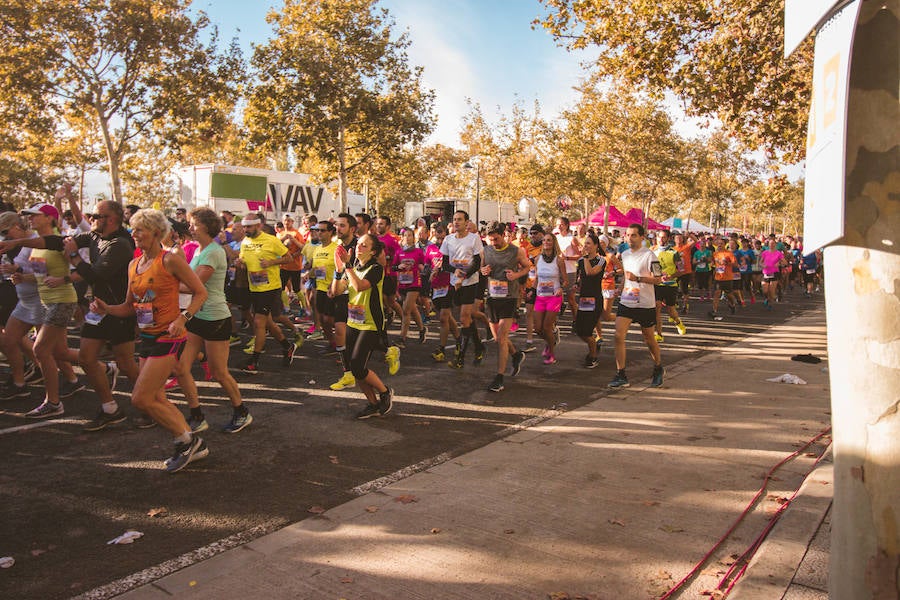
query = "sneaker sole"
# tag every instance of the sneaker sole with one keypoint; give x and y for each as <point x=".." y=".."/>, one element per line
<point x="70" y="393"/>
<point x="202" y="427"/>
<point x="496" y="389"/>
<point x="615" y="387"/>
<point x="104" y="425"/>
<point x="366" y="416"/>
<point x="244" y="426"/>
<point x="198" y="454"/>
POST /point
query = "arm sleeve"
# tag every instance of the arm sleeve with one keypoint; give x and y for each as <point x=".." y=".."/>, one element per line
<point x="375" y="274"/>
<point x="445" y="265"/>
<point x="54" y="242"/>
<point x="473" y="268"/>
<point x="109" y="264"/>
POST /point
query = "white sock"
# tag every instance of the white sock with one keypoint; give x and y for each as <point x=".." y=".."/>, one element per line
<point x="109" y="407"/>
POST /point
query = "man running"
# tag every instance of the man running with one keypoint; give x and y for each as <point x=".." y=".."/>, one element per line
<point x="725" y="264"/>
<point x="462" y="254"/>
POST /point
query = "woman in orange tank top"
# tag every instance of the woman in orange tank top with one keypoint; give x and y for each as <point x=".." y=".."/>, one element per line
<point x="153" y="280"/>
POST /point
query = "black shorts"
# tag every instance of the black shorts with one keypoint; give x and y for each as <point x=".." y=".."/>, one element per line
<point x="645" y="317"/>
<point x="293" y="277"/>
<point x="112" y="329"/>
<point x="702" y="279"/>
<point x="585" y="322"/>
<point x="465" y="295"/>
<point x="238" y="296"/>
<point x="389" y="286"/>
<point x="155" y="345"/>
<point x="324" y="304"/>
<point x="211" y="331"/>
<point x="667" y="294"/>
<point x="341" y="308"/>
<point x="809" y="277"/>
<point x="404" y="292"/>
<point x="501" y="308"/>
<point x="725" y="286"/>
<point x="265" y="303"/>
<point x="445" y="301"/>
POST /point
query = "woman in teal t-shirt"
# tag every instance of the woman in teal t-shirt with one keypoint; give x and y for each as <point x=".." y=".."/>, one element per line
<point x="211" y="326"/>
<point x="701" y="260"/>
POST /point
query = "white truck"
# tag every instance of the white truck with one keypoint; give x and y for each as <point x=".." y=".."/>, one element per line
<point x="442" y="209"/>
<point x="245" y="189"/>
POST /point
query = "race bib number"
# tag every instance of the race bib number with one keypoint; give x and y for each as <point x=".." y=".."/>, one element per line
<point x="587" y="304"/>
<point x="810" y="271"/>
<point x="497" y="288"/>
<point x="720" y="269"/>
<point x="259" y="277"/>
<point x="356" y="313"/>
<point x="546" y="287"/>
<point x="701" y="265"/>
<point x="631" y="294"/>
<point x="38" y="266"/>
<point x="143" y="311"/>
<point x="440" y="292"/>
<point x="405" y="278"/>
<point x="231" y="272"/>
<point x="532" y="275"/>
<point x="320" y="272"/>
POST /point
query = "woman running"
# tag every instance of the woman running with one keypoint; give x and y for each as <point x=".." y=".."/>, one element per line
<point x="211" y="326"/>
<point x="410" y="262"/>
<point x="551" y="282"/>
<point x="589" y="274"/>
<point x="153" y="282"/>
<point x="365" y="318"/>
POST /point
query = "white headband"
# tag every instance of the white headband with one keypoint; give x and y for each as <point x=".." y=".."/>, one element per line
<point x="245" y="221"/>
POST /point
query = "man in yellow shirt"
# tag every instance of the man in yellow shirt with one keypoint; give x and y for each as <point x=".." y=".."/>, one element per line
<point x="323" y="271"/>
<point x="262" y="255"/>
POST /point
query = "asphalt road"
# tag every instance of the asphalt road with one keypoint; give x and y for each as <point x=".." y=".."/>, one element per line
<point x="66" y="493"/>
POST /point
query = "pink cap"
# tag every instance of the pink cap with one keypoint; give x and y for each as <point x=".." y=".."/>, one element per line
<point x="42" y="209"/>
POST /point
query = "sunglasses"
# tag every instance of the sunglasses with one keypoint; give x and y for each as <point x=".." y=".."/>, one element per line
<point x="4" y="232"/>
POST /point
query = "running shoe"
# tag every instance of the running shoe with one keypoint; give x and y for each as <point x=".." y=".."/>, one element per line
<point x="659" y="338"/>
<point x="479" y="356"/>
<point x="497" y="384"/>
<point x="400" y="343"/>
<point x="251" y="368"/>
<point x="713" y="314"/>
<point x="529" y="347"/>
<point x="752" y="299"/>
<point x="197" y="424"/>
<point x="732" y="308"/>
<point x="112" y="375"/>
<point x="46" y="409"/>
<point x="234" y="340"/>
<point x="238" y="422"/>
<point x="422" y="333"/>
<point x="207" y="374"/>
<point x="392" y="358"/>
<point x="371" y="410"/>
<point x="438" y="355"/>
<point x="385" y="402"/>
<point x="142" y="421"/>
<point x="250" y="348"/>
<point x="550" y="360"/>
<point x="456" y="363"/>
<point x="681" y="328"/>
<point x="514" y="327"/>
<point x="347" y="380"/>
<point x="315" y="335"/>
<point x="619" y="381"/>
<point x="287" y="355"/>
<point x="517" y="360"/>
<point x="34" y="376"/>
<point x="12" y="390"/>
<point x="546" y="351"/>
<point x="104" y="420"/>
<point x="186" y="453"/>
<point x="67" y="389"/>
<point x="298" y="341"/>
<point x="556" y="335"/>
<point x="171" y="384"/>
<point x="658" y="373"/>
<point x="591" y="362"/>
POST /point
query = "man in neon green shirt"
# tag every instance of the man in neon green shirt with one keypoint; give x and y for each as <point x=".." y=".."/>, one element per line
<point x="667" y="290"/>
<point x="262" y="255"/>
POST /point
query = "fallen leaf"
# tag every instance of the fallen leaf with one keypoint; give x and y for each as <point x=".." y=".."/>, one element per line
<point x="671" y="529"/>
<point x="406" y="499"/>
<point x="435" y="530"/>
<point x="316" y="510"/>
<point x="372" y="509"/>
<point x="651" y="503"/>
<point x="37" y="552"/>
<point x="346" y="580"/>
<point x="334" y="460"/>
<point x="509" y="531"/>
<point x="615" y="522"/>
<point x="160" y="512"/>
<point x="559" y="596"/>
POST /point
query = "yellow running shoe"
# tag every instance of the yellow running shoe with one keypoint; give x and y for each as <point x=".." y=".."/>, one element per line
<point x="347" y="380"/>
<point x="251" y="347"/>
<point x="659" y="338"/>
<point x="681" y="328"/>
<point x="392" y="357"/>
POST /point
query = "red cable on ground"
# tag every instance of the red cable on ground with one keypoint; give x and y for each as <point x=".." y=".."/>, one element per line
<point x="740" y="518"/>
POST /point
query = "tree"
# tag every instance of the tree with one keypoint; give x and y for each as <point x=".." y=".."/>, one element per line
<point x="333" y="81"/>
<point x="130" y="67"/>
<point x="722" y="176"/>
<point x="723" y="59"/>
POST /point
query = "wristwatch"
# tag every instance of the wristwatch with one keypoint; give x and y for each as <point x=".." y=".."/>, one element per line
<point x="187" y="315"/>
<point x="67" y="279"/>
<point x="73" y="254"/>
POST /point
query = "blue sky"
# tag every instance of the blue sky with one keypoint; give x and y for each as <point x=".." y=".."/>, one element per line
<point x="479" y="49"/>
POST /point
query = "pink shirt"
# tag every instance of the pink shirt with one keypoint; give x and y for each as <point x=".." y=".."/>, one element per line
<point x="408" y="262"/>
<point x="770" y="260"/>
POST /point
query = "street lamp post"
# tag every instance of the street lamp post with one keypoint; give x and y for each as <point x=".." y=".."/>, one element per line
<point x="477" y="166"/>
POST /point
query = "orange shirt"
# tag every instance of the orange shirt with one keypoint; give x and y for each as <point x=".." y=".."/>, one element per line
<point x="295" y="251"/>
<point x="724" y="262"/>
<point x="609" y="277"/>
<point x="154" y="294"/>
<point x="685" y="252"/>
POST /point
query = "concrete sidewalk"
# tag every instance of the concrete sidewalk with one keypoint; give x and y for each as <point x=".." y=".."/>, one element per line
<point x="618" y="499"/>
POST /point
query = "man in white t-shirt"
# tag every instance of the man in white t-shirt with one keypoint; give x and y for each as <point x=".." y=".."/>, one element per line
<point x="462" y="253"/>
<point x="571" y="251"/>
<point x="638" y="303"/>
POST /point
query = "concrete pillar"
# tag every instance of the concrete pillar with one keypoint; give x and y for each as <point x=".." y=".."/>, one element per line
<point x="863" y="310"/>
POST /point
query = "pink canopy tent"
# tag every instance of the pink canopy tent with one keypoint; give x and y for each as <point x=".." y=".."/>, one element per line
<point x="636" y="215"/>
<point x="616" y="218"/>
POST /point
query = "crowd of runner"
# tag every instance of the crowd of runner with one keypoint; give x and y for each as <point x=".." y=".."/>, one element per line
<point x="155" y="295"/>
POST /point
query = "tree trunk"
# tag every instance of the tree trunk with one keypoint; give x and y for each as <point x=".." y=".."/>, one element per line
<point x="863" y="309"/>
<point x="342" y="167"/>
<point x="112" y="156"/>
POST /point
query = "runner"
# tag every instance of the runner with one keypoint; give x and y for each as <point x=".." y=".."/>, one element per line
<point x="736" y="279"/>
<point x="462" y="255"/>
<point x="638" y="303"/>
<point x="365" y="322"/>
<point x="503" y="265"/>
<point x="323" y="271"/>
<point x="345" y="226"/>
<point x="535" y="242"/>
<point x="441" y="293"/>
<point x="725" y="263"/>
<point x="702" y="268"/>
<point x="590" y="272"/>
<point x="666" y="292"/>
<point x="410" y="261"/>
<point x="570" y="249"/>
<point x="685" y="245"/>
<point x="153" y="281"/>
<point x="552" y="281"/>
<point x="772" y="260"/>
<point x="210" y="328"/>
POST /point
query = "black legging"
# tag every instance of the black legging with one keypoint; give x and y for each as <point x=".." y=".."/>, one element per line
<point x="360" y="344"/>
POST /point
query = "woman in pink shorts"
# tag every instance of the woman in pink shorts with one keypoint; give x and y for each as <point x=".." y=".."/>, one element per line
<point x="551" y="283"/>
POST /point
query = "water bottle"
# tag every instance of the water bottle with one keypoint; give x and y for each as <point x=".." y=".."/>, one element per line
<point x="91" y="317"/>
<point x="6" y="261"/>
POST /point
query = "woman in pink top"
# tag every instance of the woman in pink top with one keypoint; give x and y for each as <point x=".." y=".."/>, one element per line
<point x="409" y="262"/>
<point x="771" y="260"/>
